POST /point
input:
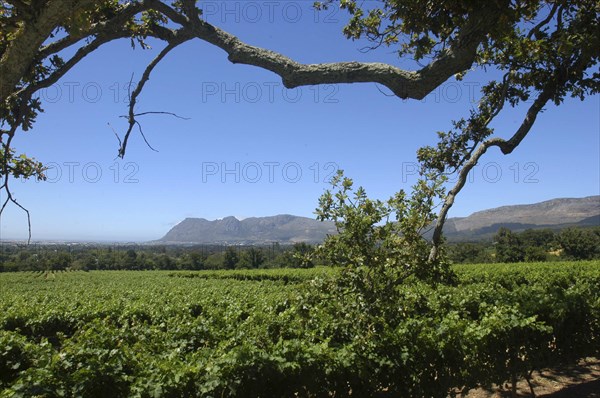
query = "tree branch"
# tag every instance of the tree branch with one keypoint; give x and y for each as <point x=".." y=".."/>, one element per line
<point x="21" y="52"/>
<point x="403" y="83"/>
<point x="536" y="29"/>
<point x="162" y="113"/>
<point x="505" y="146"/>
<point x="5" y="187"/>
<point x="105" y="37"/>
<point x="144" y="136"/>
<point x="18" y="4"/>
<point x="180" y="37"/>
<point x="81" y="53"/>
<point x="115" y="24"/>
<point x="11" y="199"/>
<point x="167" y="11"/>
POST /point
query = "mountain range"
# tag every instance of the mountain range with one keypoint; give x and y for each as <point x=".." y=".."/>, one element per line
<point x="287" y="229"/>
<point x="554" y="214"/>
<point x="284" y="228"/>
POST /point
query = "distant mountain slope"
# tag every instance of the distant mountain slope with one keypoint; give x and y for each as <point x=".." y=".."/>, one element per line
<point x="255" y="230"/>
<point x="553" y="214"/>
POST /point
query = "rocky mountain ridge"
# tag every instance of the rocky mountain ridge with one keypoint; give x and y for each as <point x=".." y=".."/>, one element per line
<point x="288" y="229"/>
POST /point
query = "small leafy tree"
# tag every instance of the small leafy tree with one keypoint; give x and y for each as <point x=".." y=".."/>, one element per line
<point x="299" y="256"/>
<point x="380" y="244"/>
<point x="214" y="261"/>
<point x="230" y="258"/>
<point x="541" y="238"/>
<point x="579" y="244"/>
<point x="468" y="252"/>
<point x="535" y="254"/>
<point x="251" y="258"/>
<point x="509" y="248"/>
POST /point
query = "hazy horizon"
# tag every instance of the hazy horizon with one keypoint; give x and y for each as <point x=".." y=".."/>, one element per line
<point x="108" y="240"/>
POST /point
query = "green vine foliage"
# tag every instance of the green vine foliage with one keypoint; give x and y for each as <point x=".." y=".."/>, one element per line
<point x="197" y="334"/>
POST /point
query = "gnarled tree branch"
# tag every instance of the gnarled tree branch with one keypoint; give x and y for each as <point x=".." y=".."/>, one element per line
<point x="403" y="83"/>
<point x="22" y="51"/>
<point x="506" y="146"/>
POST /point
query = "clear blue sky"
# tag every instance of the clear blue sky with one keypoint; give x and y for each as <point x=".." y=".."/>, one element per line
<point x="252" y="148"/>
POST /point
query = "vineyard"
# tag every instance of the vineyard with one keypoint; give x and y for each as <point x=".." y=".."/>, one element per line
<point x="280" y="333"/>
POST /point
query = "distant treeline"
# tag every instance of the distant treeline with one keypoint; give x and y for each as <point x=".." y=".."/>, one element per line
<point x="532" y="245"/>
<point x="39" y="257"/>
<point x="506" y="247"/>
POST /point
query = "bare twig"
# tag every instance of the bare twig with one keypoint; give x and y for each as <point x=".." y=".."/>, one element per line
<point x="115" y="133"/>
<point x="180" y="38"/>
<point x="144" y="136"/>
<point x="5" y="187"/>
<point x="11" y="199"/>
<point x="162" y="113"/>
<point x="382" y="92"/>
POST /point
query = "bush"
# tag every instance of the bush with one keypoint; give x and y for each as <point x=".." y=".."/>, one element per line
<point x="535" y="254"/>
<point x="579" y="244"/>
<point x="509" y="248"/>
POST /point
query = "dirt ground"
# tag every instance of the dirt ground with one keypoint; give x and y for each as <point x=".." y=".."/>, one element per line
<point x="580" y="381"/>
